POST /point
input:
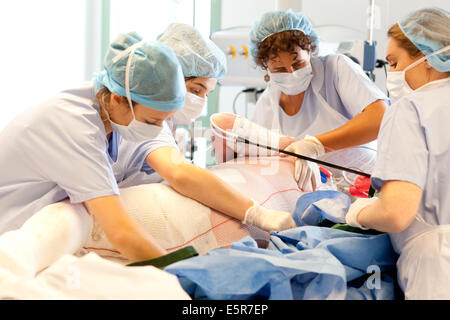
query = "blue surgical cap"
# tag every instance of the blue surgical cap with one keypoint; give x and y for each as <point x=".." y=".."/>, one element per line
<point x="198" y="56"/>
<point x="429" y="30"/>
<point x="156" y="78"/>
<point x="278" y="21"/>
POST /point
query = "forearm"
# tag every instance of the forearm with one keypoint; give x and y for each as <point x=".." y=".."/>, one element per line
<point x="360" y="130"/>
<point x="135" y="243"/>
<point x="395" y="209"/>
<point x="122" y="231"/>
<point x="377" y="218"/>
<point x="208" y="189"/>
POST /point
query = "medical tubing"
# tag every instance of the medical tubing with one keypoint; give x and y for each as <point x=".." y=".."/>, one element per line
<point x="237" y="96"/>
<point x="239" y="139"/>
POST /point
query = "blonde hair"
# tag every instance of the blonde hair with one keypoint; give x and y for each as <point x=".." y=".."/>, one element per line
<point x="103" y="97"/>
<point x="396" y="33"/>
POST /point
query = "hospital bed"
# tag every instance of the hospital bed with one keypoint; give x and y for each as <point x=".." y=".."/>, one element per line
<point x="157" y="207"/>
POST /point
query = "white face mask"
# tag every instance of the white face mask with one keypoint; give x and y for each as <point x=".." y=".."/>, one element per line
<point x="293" y="83"/>
<point x="136" y="131"/>
<point x="193" y="107"/>
<point x="396" y="82"/>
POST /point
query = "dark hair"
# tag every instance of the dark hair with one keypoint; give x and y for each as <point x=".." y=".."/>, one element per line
<point x="282" y="41"/>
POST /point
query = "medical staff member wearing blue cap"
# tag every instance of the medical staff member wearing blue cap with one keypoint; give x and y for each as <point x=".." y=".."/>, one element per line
<point x="318" y="104"/>
<point x="413" y="157"/>
<point x="203" y="64"/>
<point x="59" y="148"/>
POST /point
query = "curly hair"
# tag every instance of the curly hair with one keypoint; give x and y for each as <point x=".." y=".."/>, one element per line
<point x="282" y="41"/>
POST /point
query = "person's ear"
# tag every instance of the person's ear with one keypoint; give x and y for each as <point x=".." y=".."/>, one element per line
<point x="117" y="98"/>
<point x="427" y="65"/>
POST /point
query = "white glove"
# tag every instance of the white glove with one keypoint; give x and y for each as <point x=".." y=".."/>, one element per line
<point x="355" y="209"/>
<point x="307" y="173"/>
<point x="255" y="133"/>
<point x="267" y="219"/>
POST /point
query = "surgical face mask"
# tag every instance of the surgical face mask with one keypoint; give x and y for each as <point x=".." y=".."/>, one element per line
<point x="293" y="83"/>
<point x="136" y="131"/>
<point x="193" y="106"/>
<point x="396" y="82"/>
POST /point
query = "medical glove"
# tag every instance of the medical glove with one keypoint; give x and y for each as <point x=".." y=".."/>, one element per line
<point x="355" y="209"/>
<point x="268" y="219"/>
<point x="307" y="173"/>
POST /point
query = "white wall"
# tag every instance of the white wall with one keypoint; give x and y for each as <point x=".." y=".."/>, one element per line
<point x="350" y="13"/>
<point x="240" y="13"/>
<point x="42" y="51"/>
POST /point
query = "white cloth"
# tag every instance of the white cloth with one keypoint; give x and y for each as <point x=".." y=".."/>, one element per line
<point x="57" y="229"/>
<point x="414" y="146"/>
<point x="338" y="92"/>
<point x="91" y="277"/>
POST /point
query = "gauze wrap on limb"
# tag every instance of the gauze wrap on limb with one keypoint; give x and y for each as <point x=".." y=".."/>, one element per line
<point x="92" y="277"/>
<point x="171" y="218"/>
<point x="226" y="139"/>
<point x="175" y="221"/>
<point x="57" y="229"/>
<point x="253" y="132"/>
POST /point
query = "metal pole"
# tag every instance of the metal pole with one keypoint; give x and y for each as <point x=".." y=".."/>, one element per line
<point x="295" y="5"/>
<point x="193" y="15"/>
<point x="371" y="20"/>
<point x="106" y="20"/>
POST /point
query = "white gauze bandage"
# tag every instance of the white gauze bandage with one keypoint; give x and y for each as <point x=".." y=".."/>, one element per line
<point x="172" y="219"/>
<point x="57" y="229"/>
<point x="255" y="133"/>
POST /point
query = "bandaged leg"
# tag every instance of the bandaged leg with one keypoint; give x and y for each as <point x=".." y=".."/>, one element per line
<point x="175" y="221"/>
<point x="57" y="229"/>
<point x="172" y="219"/>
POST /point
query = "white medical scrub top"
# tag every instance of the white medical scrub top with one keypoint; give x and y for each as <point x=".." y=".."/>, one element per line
<point x="59" y="149"/>
<point x="132" y="155"/>
<point x="414" y="146"/>
<point x="338" y="92"/>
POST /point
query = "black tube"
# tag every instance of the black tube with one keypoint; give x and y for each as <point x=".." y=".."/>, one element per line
<point x="324" y="163"/>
